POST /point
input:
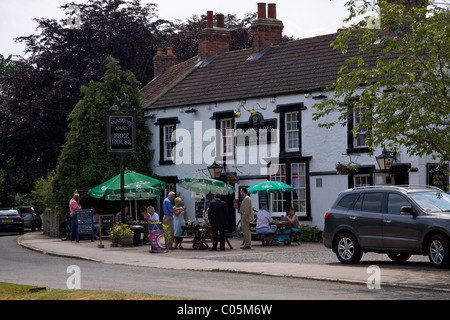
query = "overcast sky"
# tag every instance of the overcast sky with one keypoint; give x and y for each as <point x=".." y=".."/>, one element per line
<point x="301" y="18"/>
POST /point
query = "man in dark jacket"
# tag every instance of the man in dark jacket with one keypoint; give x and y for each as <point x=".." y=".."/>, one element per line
<point x="218" y="218"/>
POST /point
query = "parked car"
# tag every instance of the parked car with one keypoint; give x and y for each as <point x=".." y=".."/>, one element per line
<point x="397" y="220"/>
<point x="31" y="219"/>
<point x="10" y="221"/>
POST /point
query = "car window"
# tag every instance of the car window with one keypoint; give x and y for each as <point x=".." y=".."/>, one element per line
<point x="432" y="201"/>
<point x="348" y="200"/>
<point x="396" y="202"/>
<point x="371" y="202"/>
<point x="8" y="213"/>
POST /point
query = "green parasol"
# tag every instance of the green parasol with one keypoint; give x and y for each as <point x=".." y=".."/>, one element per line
<point x="206" y="185"/>
<point x="270" y="187"/>
<point x="136" y="186"/>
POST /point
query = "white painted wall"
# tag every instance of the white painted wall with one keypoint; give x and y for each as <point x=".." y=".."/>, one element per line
<point x="325" y="146"/>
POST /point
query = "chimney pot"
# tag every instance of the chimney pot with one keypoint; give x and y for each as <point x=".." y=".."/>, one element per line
<point x="209" y="19"/>
<point x="169" y="51"/>
<point x="159" y="51"/>
<point x="261" y="10"/>
<point x="272" y="10"/>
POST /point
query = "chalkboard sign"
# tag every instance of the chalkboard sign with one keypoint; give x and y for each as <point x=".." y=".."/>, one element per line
<point x="85" y="224"/>
<point x="263" y="199"/>
<point x="200" y="209"/>
<point x="107" y="222"/>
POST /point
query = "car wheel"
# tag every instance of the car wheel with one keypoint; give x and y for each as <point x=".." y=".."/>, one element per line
<point x="399" y="257"/>
<point x="347" y="249"/>
<point x="439" y="251"/>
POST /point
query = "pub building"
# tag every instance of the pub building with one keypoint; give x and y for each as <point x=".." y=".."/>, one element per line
<point x="250" y="112"/>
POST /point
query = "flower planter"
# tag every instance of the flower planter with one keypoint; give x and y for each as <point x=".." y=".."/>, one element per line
<point x="125" y="241"/>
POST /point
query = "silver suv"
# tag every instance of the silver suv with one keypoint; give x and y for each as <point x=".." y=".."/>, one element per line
<point x="397" y="220"/>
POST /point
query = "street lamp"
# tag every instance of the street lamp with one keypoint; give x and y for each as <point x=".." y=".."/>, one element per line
<point x="215" y="170"/>
<point x="385" y="160"/>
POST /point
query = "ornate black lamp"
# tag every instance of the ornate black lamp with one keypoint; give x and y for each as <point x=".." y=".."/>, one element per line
<point x="385" y="160"/>
<point x="215" y="170"/>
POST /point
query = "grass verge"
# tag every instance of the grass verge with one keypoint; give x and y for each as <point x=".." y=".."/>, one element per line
<point x="9" y="291"/>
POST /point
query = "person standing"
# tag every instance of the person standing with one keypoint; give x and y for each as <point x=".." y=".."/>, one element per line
<point x="168" y="211"/>
<point x="74" y="204"/>
<point x="246" y="217"/>
<point x="178" y="222"/>
<point x="218" y="218"/>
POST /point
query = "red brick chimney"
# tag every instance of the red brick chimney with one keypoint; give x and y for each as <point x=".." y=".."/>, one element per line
<point x="162" y="62"/>
<point x="268" y="29"/>
<point x="213" y="39"/>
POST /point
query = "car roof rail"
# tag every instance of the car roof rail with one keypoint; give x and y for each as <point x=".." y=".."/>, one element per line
<point x="404" y="187"/>
<point x="418" y="186"/>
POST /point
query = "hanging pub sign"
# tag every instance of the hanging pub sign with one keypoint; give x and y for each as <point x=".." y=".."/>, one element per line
<point x="121" y="133"/>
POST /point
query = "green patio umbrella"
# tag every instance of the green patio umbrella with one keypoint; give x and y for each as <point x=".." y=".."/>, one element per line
<point x="137" y="187"/>
<point x="270" y="187"/>
<point x="206" y="185"/>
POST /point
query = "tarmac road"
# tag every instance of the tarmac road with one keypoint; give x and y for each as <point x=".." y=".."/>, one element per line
<point x="174" y="274"/>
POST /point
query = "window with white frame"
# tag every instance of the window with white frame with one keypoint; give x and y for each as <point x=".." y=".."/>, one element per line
<point x="361" y="180"/>
<point x="292" y="131"/>
<point x="298" y="182"/>
<point x="359" y="138"/>
<point x="226" y="128"/>
<point x="170" y="187"/>
<point x="278" y="203"/>
<point x="168" y="141"/>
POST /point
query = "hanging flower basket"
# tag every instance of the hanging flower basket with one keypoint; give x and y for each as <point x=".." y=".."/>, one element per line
<point x="346" y="168"/>
<point x="232" y="179"/>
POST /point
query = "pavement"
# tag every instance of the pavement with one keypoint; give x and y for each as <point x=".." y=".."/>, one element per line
<point x="310" y="261"/>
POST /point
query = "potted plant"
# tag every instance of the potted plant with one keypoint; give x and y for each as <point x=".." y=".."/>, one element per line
<point x="345" y="168"/>
<point x="121" y="235"/>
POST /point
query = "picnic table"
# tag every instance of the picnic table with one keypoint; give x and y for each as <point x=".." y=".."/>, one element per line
<point x="199" y="235"/>
<point x="283" y="232"/>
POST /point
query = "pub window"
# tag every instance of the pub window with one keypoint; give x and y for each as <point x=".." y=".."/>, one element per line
<point x="359" y="138"/>
<point x="226" y="128"/>
<point x="298" y="182"/>
<point x="167" y="127"/>
<point x="278" y="203"/>
<point x="170" y="187"/>
<point x="356" y="141"/>
<point x="290" y="127"/>
<point x="361" y="180"/>
<point x="292" y="131"/>
<point x="169" y="143"/>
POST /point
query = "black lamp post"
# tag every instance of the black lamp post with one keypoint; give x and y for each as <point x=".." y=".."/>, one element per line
<point x="215" y="170"/>
<point x="385" y="160"/>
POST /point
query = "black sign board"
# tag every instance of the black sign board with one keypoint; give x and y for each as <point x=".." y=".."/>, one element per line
<point x="436" y="176"/>
<point x="107" y="222"/>
<point x="256" y="131"/>
<point x="121" y="133"/>
<point x="263" y="200"/>
<point x="85" y="223"/>
<point x="200" y="209"/>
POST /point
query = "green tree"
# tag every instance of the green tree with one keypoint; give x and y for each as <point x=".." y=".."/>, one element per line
<point x="84" y="163"/>
<point x="398" y="78"/>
